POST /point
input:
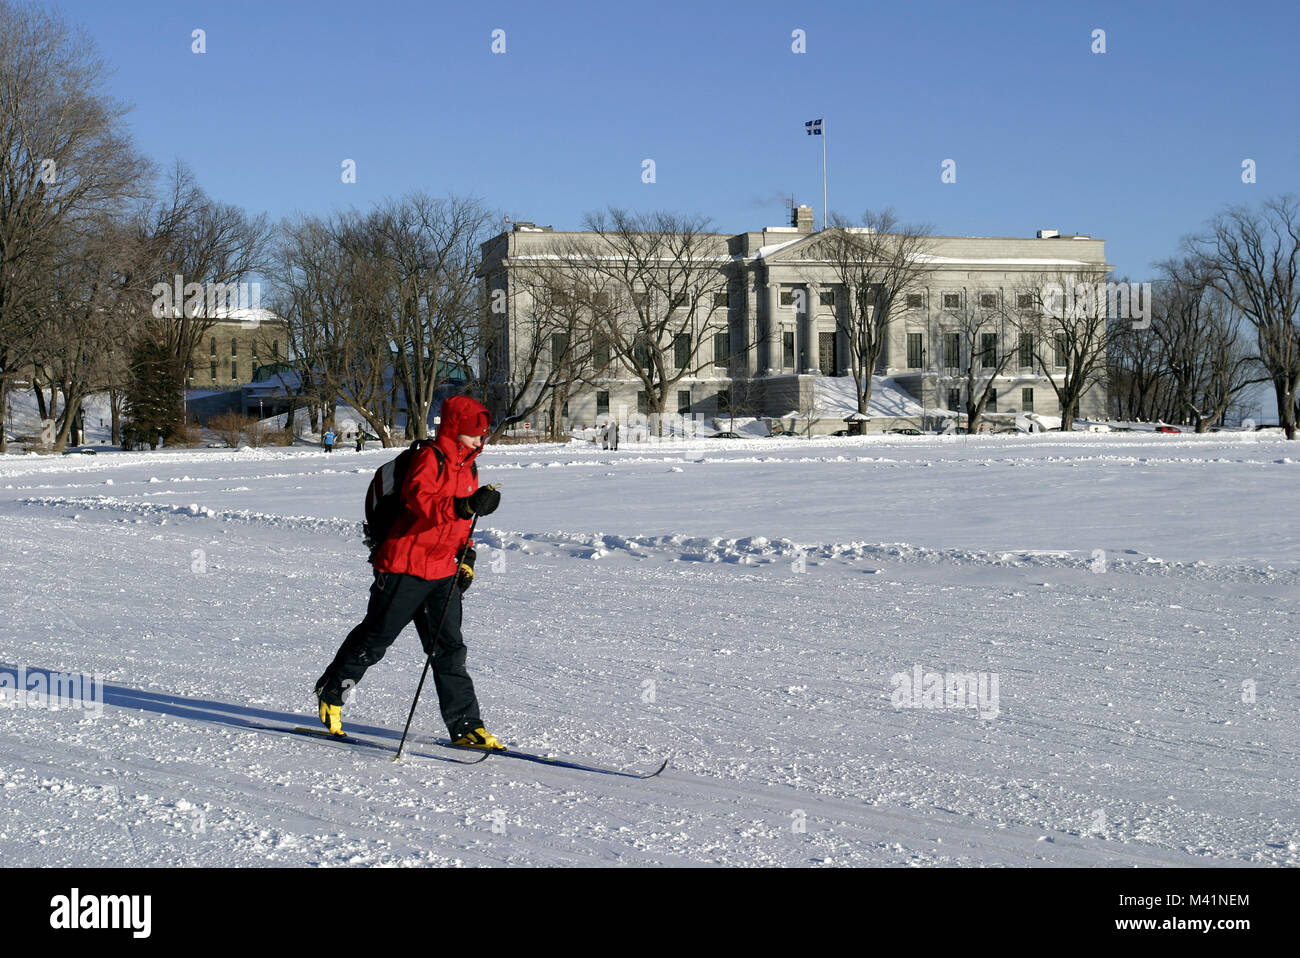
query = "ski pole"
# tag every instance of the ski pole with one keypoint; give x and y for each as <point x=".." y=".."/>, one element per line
<point x="428" y="660"/>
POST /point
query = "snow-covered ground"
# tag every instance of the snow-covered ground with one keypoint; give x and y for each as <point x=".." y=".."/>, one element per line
<point x="753" y="609"/>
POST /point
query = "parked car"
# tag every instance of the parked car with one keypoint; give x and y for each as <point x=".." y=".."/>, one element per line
<point x="907" y="432"/>
<point x="1171" y="429"/>
<point x="79" y="450"/>
<point x="845" y="432"/>
<point x="726" y="435"/>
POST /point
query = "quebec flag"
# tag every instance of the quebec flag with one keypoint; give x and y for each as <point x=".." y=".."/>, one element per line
<point x="814" y="127"/>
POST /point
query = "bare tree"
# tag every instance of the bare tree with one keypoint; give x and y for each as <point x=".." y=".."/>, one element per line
<point x="1139" y="386"/>
<point x="1066" y="312"/>
<point x="743" y="400"/>
<point x="334" y="290"/>
<point x="92" y="308"/>
<point x="981" y="320"/>
<point x="876" y="265"/>
<point x="809" y="413"/>
<point x="658" y="281"/>
<point x="1204" y="362"/>
<point x="62" y="157"/>
<point x="432" y="247"/>
<point x="213" y="247"/>
<point x="1252" y="259"/>
<point x="563" y="344"/>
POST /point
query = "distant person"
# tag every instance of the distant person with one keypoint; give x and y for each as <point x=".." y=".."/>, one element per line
<point x="604" y="436"/>
<point x="613" y="436"/>
<point x="361" y="440"/>
<point x="328" y="440"/>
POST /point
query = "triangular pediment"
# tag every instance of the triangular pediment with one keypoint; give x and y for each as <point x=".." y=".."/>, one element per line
<point x="815" y="247"/>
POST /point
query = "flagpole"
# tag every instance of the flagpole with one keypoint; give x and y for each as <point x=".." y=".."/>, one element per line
<point x="825" y="223"/>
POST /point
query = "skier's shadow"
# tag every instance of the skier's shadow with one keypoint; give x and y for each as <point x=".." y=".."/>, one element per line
<point x="177" y="706"/>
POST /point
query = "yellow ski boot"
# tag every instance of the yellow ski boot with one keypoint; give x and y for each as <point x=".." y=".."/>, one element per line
<point x="331" y="716"/>
<point x="480" y="738"/>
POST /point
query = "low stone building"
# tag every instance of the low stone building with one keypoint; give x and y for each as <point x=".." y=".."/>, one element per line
<point x="235" y="346"/>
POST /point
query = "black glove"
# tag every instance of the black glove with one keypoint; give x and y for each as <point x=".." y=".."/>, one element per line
<point x="483" y="502"/>
<point x="465" y="574"/>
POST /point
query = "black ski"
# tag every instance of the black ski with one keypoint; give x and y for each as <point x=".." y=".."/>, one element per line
<point x="557" y="762"/>
<point x="382" y="746"/>
<point x="323" y="734"/>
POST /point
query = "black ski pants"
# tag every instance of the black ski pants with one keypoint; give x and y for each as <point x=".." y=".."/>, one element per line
<point x="397" y="599"/>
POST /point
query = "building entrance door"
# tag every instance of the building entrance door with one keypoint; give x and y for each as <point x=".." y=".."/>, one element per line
<point x="826" y="350"/>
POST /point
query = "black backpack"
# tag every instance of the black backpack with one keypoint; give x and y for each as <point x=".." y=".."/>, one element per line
<point x="384" y="496"/>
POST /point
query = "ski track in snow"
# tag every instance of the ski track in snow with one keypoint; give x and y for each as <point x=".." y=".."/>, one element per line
<point x="740" y="608"/>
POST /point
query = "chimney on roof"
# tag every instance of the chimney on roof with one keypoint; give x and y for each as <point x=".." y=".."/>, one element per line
<point x="801" y="218"/>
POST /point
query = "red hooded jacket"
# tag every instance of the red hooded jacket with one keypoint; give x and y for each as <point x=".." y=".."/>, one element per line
<point x="428" y="534"/>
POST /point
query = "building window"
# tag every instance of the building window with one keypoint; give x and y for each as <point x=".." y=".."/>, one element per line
<point x="559" y="346"/>
<point x="684" y="401"/>
<point x="721" y="349"/>
<point x="721" y="300"/>
<point x="826" y="297"/>
<point x="212" y="370"/>
<point x="988" y="350"/>
<point x="1027" y="400"/>
<point x="641" y="300"/>
<point x="234" y="348"/>
<point x="787" y="295"/>
<point x="602" y="403"/>
<point x="600" y="351"/>
<point x="787" y="350"/>
<point x="642" y="402"/>
<point x="1060" y="350"/>
<point x="915" y="300"/>
<point x="954" y="399"/>
<point x="988" y="300"/>
<point x="641" y="353"/>
<point x="992" y="405"/>
<point x="724" y="400"/>
<point x="275" y="349"/>
<point x="213" y="346"/>
<point x="1024" y="301"/>
<point x="234" y="370"/>
<point x="601" y="300"/>
<point x="952" y="300"/>
<point x="914" y="350"/>
<point x="952" y="350"/>
<point x="682" y="350"/>
<point x="1026" y="350"/>
<point x="564" y="410"/>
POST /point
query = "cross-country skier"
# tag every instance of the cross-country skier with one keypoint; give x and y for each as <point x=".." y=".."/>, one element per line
<point x="416" y="576"/>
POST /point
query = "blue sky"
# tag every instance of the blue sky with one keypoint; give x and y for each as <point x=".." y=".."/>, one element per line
<point x="1138" y="145"/>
